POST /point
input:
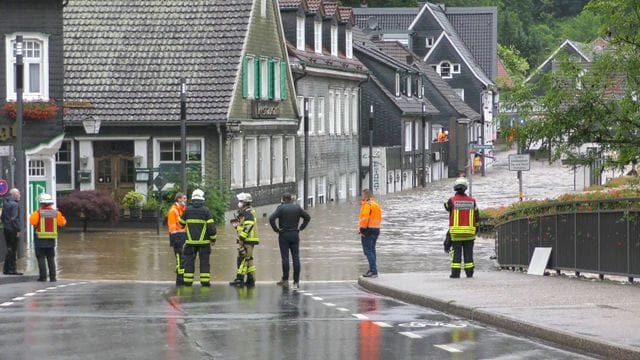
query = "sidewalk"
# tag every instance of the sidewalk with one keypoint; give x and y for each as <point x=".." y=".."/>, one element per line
<point x="601" y="318"/>
<point x="12" y="279"/>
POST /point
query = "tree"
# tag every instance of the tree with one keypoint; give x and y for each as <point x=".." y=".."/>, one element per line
<point x="90" y="205"/>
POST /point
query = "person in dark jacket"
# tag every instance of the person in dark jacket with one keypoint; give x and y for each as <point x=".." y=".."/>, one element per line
<point x="288" y="216"/>
<point x="201" y="234"/>
<point x="12" y="225"/>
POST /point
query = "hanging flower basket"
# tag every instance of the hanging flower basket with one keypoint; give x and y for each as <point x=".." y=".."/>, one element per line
<point x="33" y="110"/>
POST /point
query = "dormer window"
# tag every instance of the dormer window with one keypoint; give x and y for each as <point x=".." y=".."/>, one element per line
<point x="397" y="84"/>
<point x="455" y="68"/>
<point x="409" y="93"/>
<point x="300" y="33"/>
<point x="445" y="70"/>
<point x="420" y="89"/>
<point x="349" y="43"/>
<point x="334" y="40"/>
<point x="317" y="37"/>
<point x="430" y="41"/>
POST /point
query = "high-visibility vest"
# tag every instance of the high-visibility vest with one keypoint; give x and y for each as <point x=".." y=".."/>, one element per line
<point x="48" y="226"/>
<point x="462" y="218"/>
<point x="370" y="214"/>
<point x="173" y="218"/>
<point x="247" y="230"/>
<point x="201" y="239"/>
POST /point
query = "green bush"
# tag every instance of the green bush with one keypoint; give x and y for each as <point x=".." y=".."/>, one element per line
<point x="132" y="199"/>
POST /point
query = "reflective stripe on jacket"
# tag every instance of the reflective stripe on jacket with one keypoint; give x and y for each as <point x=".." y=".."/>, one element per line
<point x="463" y="218"/>
<point x="46" y="221"/>
<point x="198" y="224"/>
<point x="247" y="229"/>
<point x="173" y="218"/>
<point x="370" y="214"/>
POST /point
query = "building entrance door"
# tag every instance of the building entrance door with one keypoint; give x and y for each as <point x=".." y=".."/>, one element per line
<point x="114" y="167"/>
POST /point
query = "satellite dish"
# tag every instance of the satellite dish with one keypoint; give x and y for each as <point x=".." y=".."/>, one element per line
<point x="372" y="23"/>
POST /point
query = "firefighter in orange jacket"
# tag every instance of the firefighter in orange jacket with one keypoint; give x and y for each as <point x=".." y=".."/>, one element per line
<point x="177" y="235"/>
<point x="369" y="230"/>
<point x="46" y="221"/>
<point x="463" y="222"/>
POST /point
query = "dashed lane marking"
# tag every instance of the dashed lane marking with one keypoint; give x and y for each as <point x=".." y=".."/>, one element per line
<point x="7" y="303"/>
<point x="19" y="298"/>
<point x="410" y="335"/>
<point x="330" y="304"/>
<point x="307" y="294"/>
<point x="62" y="286"/>
<point x="29" y="294"/>
<point x="382" y="324"/>
<point x="360" y="316"/>
<point x="41" y="291"/>
<point x="317" y="298"/>
<point x="342" y="309"/>
<point x="448" y="348"/>
<point x="52" y="288"/>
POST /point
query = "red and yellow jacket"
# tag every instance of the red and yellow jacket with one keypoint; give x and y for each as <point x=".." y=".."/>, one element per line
<point x="46" y="226"/>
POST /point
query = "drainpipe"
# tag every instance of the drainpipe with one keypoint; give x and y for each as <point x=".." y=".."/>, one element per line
<point x="306" y="136"/>
<point x="220" y="155"/>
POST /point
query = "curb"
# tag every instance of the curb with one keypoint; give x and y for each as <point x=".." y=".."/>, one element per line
<point x="15" y="279"/>
<point x="584" y="344"/>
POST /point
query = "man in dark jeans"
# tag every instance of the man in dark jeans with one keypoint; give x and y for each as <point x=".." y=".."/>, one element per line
<point x="288" y="215"/>
<point x="11" y="222"/>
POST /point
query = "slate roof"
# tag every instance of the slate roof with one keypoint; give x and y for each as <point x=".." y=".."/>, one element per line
<point x="408" y="105"/>
<point x="126" y="57"/>
<point x="289" y="4"/>
<point x="314" y="5"/>
<point x="387" y="18"/>
<point x="325" y="60"/>
<point x="400" y="53"/>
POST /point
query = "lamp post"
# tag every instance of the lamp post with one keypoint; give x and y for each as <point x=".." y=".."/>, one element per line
<point x="183" y="134"/>
<point x="20" y="171"/>
<point x="371" y="148"/>
<point x="306" y="153"/>
<point x="483" y="100"/>
<point x="424" y="146"/>
<point x="465" y="122"/>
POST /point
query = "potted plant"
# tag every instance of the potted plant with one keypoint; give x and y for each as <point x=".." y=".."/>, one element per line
<point x="149" y="208"/>
<point x="33" y="110"/>
<point x="133" y="201"/>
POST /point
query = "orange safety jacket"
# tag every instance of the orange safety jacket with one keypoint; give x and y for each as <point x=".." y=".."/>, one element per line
<point x="463" y="219"/>
<point x="370" y="214"/>
<point x="173" y="218"/>
<point x="46" y="221"/>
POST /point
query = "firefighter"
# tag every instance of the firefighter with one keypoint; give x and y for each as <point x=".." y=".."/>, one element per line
<point x="46" y="221"/>
<point x="201" y="235"/>
<point x="246" y="228"/>
<point x="177" y="235"/>
<point x="463" y="222"/>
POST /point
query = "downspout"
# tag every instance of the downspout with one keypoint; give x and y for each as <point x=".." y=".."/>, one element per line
<point x="360" y="135"/>
<point x="305" y="161"/>
<point x="220" y="155"/>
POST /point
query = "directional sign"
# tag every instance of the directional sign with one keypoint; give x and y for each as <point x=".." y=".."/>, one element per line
<point x="519" y="162"/>
<point x="4" y="186"/>
<point x="482" y="146"/>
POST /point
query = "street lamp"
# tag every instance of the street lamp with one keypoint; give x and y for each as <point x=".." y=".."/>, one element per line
<point x="465" y="122"/>
<point x="21" y="173"/>
<point x="183" y="134"/>
<point x="424" y="146"/>
<point x="306" y="152"/>
<point x="371" y="148"/>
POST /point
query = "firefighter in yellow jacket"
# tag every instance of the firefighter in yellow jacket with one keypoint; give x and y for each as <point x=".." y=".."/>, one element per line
<point x="46" y="221"/>
<point x="247" y="230"/>
<point x="201" y="234"/>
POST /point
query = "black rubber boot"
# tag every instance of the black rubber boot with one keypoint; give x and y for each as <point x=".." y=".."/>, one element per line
<point x="251" y="282"/>
<point x="238" y="281"/>
<point x="469" y="272"/>
<point x="455" y="273"/>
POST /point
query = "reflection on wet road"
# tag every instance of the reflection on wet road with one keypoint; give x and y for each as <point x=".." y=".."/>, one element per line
<point x="413" y="228"/>
<point x="118" y="320"/>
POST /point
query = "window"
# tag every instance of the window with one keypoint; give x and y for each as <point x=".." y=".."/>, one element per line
<point x="237" y="163"/>
<point x="397" y="84"/>
<point x="455" y="68"/>
<point x="36" y="168"/>
<point x="320" y="116"/>
<point x="264" y="79"/>
<point x="300" y="33"/>
<point x="265" y="161"/>
<point x="317" y="37"/>
<point x="409" y="93"/>
<point x="420" y="89"/>
<point x="430" y="41"/>
<point x="353" y="180"/>
<point x="347" y="111"/>
<point x="127" y="171"/>
<point x="104" y="171"/>
<point x="300" y="101"/>
<point x="277" y="80"/>
<point x="290" y="159"/>
<point x="248" y="78"/>
<point x="354" y="113"/>
<point x="342" y="187"/>
<point x="322" y="189"/>
<point x="338" y="113"/>
<point x="332" y="114"/>
<point x="416" y="136"/>
<point x="445" y="69"/>
<point x="460" y="93"/>
<point x="334" y="40"/>
<point x="263" y="8"/>
<point x="349" y="43"/>
<point x="251" y="162"/>
<point x="64" y="173"/>
<point x="407" y="136"/>
<point x="312" y="118"/>
<point x="276" y="159"/>
<point x="35" y="50"/>
<point x="311" y="192"/>
<point x="170" y="151"/>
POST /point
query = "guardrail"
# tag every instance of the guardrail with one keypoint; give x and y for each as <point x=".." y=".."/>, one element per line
<point x="596" y="236"/>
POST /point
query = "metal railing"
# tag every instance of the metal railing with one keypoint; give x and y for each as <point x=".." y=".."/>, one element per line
<point x="595" y="236"/>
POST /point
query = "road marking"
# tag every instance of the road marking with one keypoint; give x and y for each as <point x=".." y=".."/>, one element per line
<point x="29" y="294"/>
<point x="73" y="284"/>
<point x="360" y="316"/>
<point x="307" y="294"/>
<point x="8" y="303"/>
<point x="342" y="309"/>
<point x="62" y="286"/>
<point x="330" y="304"/>
<point x="17" y="298"/>
<point x="41" y="291"/>
<point x="382" y="324"/>
<point x="51" y="288"/>
<point x="317" y="298"/>
<point x="411" y="335"/>
<point x="448" y="348"/>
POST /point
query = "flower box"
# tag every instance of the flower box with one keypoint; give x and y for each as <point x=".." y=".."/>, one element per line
<point x="33" y="110"/>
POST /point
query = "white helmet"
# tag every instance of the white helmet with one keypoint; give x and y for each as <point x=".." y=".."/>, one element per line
<point x="461" y="183"/>
<point x="46" y="199"/>
<point x="197" y="194"/>
<point x="244" y="197"/>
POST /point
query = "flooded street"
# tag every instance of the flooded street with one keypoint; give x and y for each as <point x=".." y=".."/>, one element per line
<point x="412" y="232"/>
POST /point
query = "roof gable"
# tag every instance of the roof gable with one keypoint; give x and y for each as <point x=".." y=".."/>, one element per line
<point x="567" y="44"/>
<point x="443" y="40"/>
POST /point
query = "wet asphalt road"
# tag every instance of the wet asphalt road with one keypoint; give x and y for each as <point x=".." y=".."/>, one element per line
<point x="325" y="320"/>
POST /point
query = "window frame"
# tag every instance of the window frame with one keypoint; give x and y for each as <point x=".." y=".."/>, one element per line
<point x="71" y="163"/>
<point x="264" y="159"/>
<point x="157" y="153"/>
<point x="397" y="84"/>
<point x="37" y="168"/>
<point x="237" y="162"/>
<point x="429" y="42"/>
<point x="448" y="66"/>
<point x="455" y="68"/>
<point x="347" y="111"/>
<point x="355" y="108"/>
<point x="264" y="78"/>
<point x="317" y="37"/>
<point x="332" y="114"/>
<point x="338" y="109"/>
<point x="348" y="43"/>
<point x="334" y="40"/>
<point x="277" y="159"/>
<point x="251" y="161"/>
<point x="300" y="35"/>
<point x="251" y="77"/>
<point x="312" y="115"/>
<point x="320" y="116"/>
<point x="290" y="154"/>
<point x="43" y="40"/>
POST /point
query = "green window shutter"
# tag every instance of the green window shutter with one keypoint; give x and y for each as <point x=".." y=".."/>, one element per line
<point x="283" y="80"/>
<point x="258" y="78"/>
<point x="245" y="77"/>
<point x="272" y="80"/>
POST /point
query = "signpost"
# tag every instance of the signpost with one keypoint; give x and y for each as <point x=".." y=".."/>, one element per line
<point x="519" y="163"/>
<point x="481" y="146"/>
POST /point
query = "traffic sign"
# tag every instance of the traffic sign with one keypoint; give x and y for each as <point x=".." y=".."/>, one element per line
<point x="159" y="181"/>
<point x="4" y="186"/>
<point x="519" y="162"/>
<point x="482" y="146"/>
